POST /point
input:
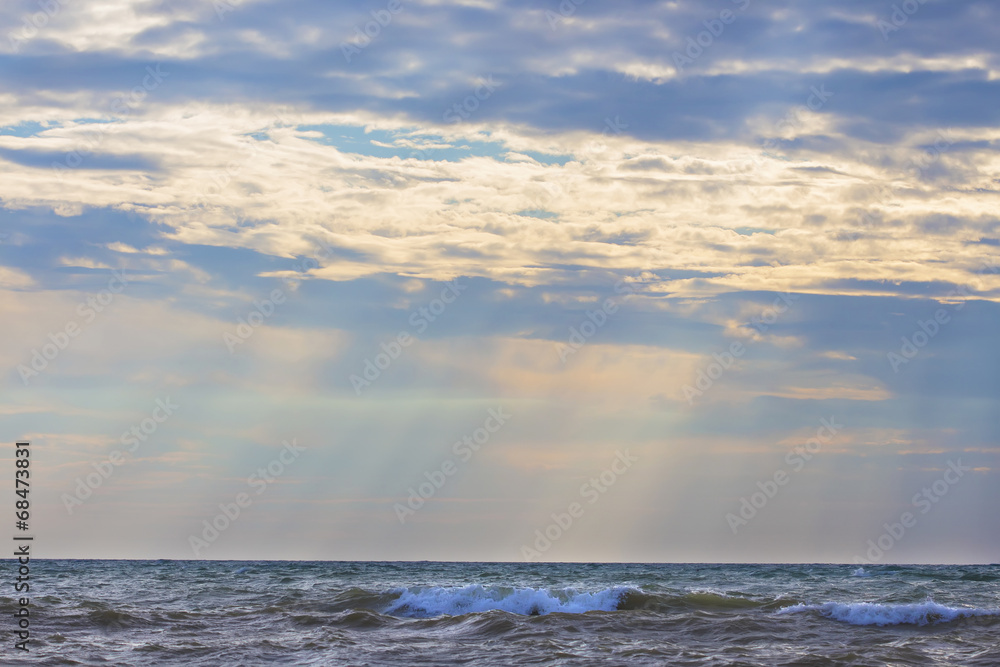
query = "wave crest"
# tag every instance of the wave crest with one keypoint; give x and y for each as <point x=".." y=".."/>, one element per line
<point x="870" y="613"/>
<point x="427" y="602"/>
<point x="455" y="601"/>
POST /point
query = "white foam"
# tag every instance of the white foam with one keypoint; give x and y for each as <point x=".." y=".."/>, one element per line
<point x="870" y="613"/>
<point x="454" y="600"/>
<point x="861" y="572"/>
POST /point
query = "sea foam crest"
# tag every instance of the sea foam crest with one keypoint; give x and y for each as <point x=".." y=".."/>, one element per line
<point x="870" y="613"/>
<point x="454" y="600"/>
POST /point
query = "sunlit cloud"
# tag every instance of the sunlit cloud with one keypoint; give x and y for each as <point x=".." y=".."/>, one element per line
<point x="285" y="195"/>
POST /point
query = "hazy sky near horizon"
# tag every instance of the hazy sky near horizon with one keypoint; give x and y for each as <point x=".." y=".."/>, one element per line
<point x="690" y="236"/>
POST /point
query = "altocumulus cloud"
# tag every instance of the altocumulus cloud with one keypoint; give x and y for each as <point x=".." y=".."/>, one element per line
<point x="263" y="158"/>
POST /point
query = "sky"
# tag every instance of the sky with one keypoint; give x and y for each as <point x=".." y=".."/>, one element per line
<point x="503" y="281"/>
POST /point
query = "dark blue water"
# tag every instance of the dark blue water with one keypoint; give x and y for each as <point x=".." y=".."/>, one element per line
<point x="339" y="613"/>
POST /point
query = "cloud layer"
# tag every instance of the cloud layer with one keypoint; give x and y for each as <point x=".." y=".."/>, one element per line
<point x="811" y="184"/>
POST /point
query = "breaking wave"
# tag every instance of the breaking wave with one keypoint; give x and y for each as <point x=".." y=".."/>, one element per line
<point x="454" y="601"/>
<point x="870" y="613"/>
<point x="432" y="601"/>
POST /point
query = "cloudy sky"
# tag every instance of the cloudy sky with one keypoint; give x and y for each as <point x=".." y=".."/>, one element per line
<point x="667" y="281"/>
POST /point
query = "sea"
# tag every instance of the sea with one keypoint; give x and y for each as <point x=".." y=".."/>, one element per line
<point x="123" y="612"/>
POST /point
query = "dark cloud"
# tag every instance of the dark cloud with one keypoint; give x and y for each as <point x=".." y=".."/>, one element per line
<point x="435" y="53"/>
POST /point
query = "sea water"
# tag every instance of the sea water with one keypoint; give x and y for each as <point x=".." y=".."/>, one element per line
<point x="116" y="612"/>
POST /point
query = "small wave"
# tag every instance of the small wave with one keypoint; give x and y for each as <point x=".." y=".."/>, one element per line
<point x="870" y="613"/>
<point x="110" y="619"/>
<point x="363" y="618"/>
<point x="861" y="572"/>
<point x="454" y="601"/>
<point x="359" y="598"/>
<point x="700" y="599"/>
<point x="710" y="600"/>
